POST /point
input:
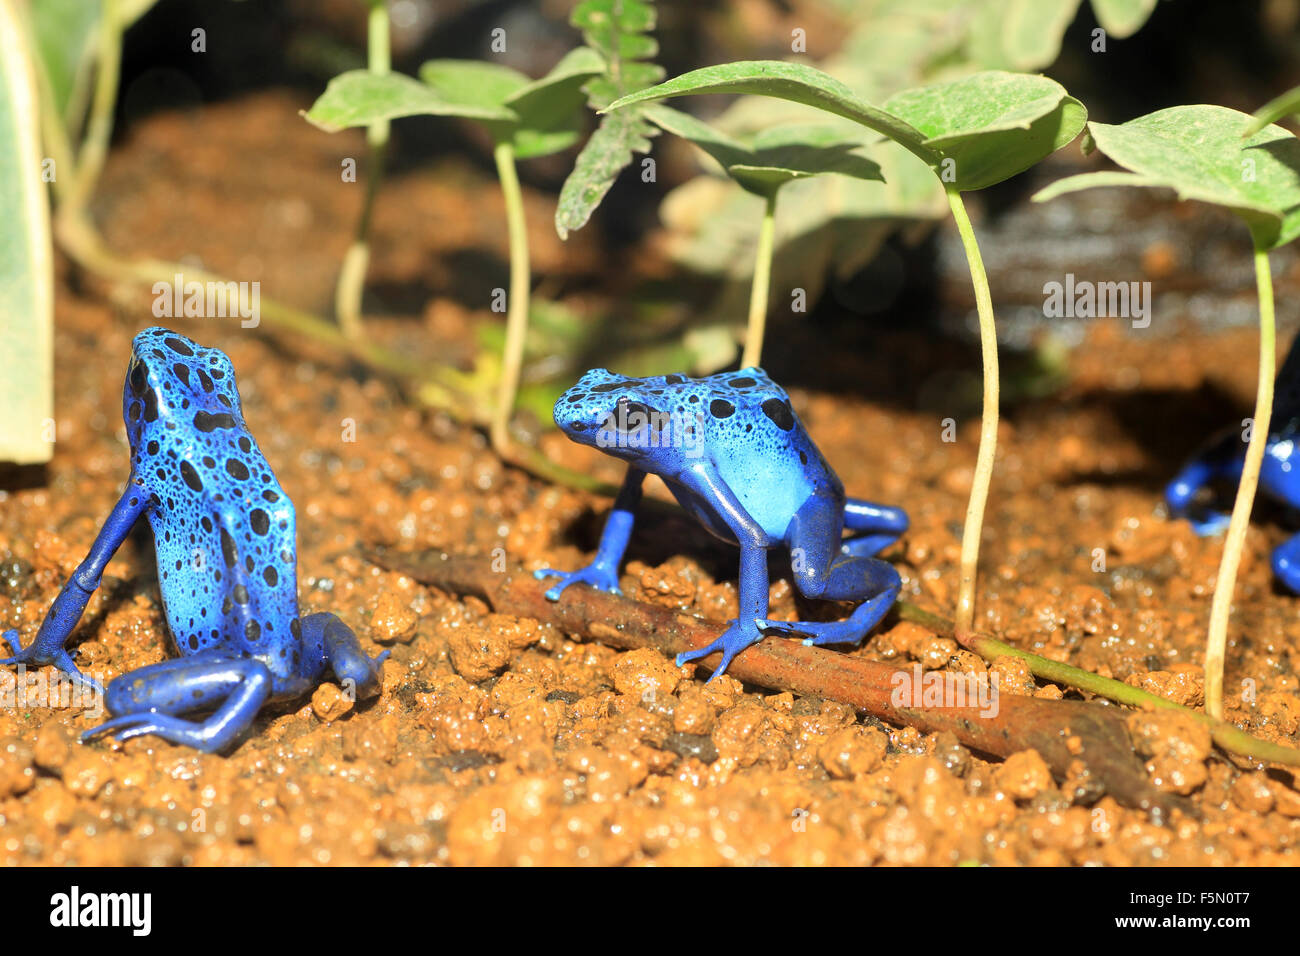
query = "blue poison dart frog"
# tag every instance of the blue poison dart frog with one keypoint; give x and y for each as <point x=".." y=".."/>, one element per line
<point x="224" y="538"/>
<point x="1223" y="458"/>
<point x="735" y="455"/>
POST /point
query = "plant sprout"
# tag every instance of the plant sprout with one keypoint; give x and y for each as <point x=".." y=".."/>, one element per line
<point x="1199" y="152"/>
<point x="352" y="275"/>
<point x="524" y="118"/>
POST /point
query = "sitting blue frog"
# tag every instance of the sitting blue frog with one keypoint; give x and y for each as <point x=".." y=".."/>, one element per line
<point x="1223" y="458"/>
<point x="735" y="455"/>
<point x="224" y="536"/>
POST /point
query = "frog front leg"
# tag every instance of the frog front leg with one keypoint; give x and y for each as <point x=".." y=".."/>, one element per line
<point x="150" y="700"/>
<point x="825" y="567"/>
<point x="66" y="611"/>
<point x="1222" y="460"/>
<point x="602" y="573"/>
<point x="874" y="526"/>
<point x="704" y="482"/>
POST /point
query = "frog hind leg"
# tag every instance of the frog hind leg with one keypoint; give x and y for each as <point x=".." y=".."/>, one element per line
<point x="822" y="569"/>
<point x="150" y="701"/>
<point x="874" y="527"/>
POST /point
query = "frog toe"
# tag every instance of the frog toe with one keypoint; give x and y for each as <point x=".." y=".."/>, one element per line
<point x="732" y="641"/>
<point x="598" y="578"/>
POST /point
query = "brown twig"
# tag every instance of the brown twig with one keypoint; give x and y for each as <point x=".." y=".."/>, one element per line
<point x="1082" y="740"/>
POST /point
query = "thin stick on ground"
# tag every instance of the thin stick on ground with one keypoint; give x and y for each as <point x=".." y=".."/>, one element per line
<point x="979" y="490"/>
<point x="871" y="687"/>
<point x="1221" y="607"/>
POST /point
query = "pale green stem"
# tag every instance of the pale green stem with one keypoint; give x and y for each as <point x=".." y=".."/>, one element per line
<point x="352" y="275"/>
<point x="99" y="127"/>
<point x="1229" y="737"/>
<point x="512" y="360"/>
<point x="758" y="294"/>
<point x="1217" y="641"/>
<point x="979" y="490"/>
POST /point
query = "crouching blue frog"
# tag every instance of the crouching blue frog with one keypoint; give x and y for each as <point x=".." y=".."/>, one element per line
<point x="735" y="455"/>
<point x="224" y="538"/>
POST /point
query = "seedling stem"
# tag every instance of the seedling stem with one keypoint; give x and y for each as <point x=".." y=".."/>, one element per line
<point x="356" y="262"/>
<point x="512" y="359"/>
<point x="1225" y="584"/>
<point x="753" y="352"/>
<point x="979" y="490"/>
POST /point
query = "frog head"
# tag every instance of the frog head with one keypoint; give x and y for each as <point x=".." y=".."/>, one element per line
<point x="175" y="385"/>
<point x="648" y="419"/>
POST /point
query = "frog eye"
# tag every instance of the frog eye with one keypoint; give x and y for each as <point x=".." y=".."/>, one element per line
<point x="138" y="377"/>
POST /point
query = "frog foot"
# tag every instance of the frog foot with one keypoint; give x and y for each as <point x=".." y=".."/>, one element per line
<point x="817" y="632"/>
<point x="1207" y="524"/>
<point x="733" y="640"/>
<point x="33" y="656"/>
<point x="600" y="577"/>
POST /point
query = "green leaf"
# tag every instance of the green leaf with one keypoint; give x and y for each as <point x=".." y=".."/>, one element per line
<point x="359" y="98"/>
<point x="1032" y="30"/>
<point x="1280" y="107"/>
<point x="1123" y="18"/>
<point x="550" y="109"/>
<point x="26" y="270"/>
<point x="988" y="127"/>
<point x="776" y="156"/>
<point x="787" y="81"/>
<point x="65" y="37"/>
<point x="616" y="30"/>
<point x="1198" y="152"/>
<point x="473" y="83"/>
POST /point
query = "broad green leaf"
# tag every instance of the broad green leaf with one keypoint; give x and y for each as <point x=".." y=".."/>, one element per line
<point x="26" y="270"/>
<point x="775" y="156"/>
<point x="359" y="98"/>
<point x="1032" y="30"/>
<point x="475" y="84"/>
<point x="550" y="109"/>
<point x="1198" y="152"/>
<point x="787" y="81"/>
<point x="616" y="30"/>
<point x="1280" y="107"/>
<point x="1108" y="177"/>
<point x="1123" y="18"/>
<point x="990" y="126"/>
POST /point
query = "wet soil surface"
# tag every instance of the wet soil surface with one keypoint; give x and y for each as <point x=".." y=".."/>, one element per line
<point x="500" y="740"/>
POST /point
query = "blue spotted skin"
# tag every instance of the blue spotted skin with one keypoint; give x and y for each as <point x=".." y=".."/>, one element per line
<point x="1223" y="458"/>
<point x="735" y="455"/>
<point x="224" y="537"/>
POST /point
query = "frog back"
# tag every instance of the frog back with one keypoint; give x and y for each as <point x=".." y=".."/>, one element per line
<point x="224" y="533"/>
